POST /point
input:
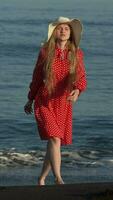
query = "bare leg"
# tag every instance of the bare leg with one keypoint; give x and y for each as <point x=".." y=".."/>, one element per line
<point x="52" y="159"/>
<point x="45" y="170"/>
<point x="55" y="158"/>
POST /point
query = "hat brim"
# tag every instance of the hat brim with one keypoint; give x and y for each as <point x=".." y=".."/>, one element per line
<point x="76" y="25"/>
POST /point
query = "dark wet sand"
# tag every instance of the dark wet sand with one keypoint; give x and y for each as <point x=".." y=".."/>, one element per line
<point x="81" y="191"/>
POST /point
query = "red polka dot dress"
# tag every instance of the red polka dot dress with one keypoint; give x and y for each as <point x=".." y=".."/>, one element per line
<point x="54" y="114"/>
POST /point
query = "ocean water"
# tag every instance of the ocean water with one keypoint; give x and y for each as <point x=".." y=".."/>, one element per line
<point x="23" y="26"/>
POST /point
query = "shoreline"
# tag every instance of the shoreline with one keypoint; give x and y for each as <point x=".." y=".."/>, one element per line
<point x="80" y="191"/>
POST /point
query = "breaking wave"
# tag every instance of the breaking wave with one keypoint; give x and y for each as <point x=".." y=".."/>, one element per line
<point x="79" y="158"/>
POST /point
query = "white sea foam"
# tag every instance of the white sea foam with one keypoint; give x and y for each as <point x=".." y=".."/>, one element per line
<point x="79" y="158"/>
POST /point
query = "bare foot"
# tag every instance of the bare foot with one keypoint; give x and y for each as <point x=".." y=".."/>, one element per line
<point x="59" y="181"/>
<point x="41" y="181"/>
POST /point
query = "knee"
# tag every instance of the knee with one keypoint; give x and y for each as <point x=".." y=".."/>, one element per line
<point x="55" y="140"/>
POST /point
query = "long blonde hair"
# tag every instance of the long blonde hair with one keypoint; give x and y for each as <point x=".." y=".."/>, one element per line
<point x="50" y="53"/>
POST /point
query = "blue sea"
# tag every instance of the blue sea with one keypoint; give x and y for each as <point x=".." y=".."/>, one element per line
<point x="23" y="27"/>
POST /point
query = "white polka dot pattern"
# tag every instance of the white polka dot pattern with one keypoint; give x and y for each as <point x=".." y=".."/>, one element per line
<point x="54" y="115"/>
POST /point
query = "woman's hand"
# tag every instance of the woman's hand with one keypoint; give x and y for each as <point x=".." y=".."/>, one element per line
<point x="73" y="96"/>
<point x="28" y="107"/>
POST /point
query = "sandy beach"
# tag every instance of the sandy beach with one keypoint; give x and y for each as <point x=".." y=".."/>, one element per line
<point x="85" y="191"/>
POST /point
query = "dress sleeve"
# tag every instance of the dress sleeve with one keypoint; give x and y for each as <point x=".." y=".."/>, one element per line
<point x="37" y="77"/>
<point x="81" y="82"/>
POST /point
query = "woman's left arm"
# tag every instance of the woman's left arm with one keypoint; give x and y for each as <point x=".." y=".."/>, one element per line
<point x="81" y="83"/>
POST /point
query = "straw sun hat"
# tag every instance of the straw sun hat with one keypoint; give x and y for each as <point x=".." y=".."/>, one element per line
<point x="75" y="24"/>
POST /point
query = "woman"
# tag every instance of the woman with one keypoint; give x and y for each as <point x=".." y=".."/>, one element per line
<point x="58" y="79"/>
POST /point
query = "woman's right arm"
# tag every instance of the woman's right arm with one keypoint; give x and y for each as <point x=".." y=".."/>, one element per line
<point x="37" y="77"/>
<point x="37" y="80"/>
